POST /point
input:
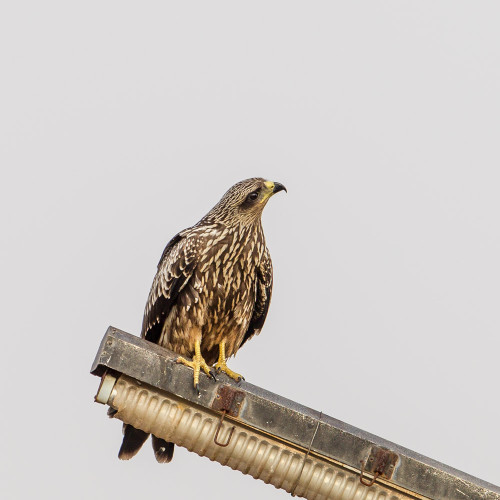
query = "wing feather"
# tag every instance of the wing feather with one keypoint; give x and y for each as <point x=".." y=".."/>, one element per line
<point x="175" y="269"/>
<point x="264" y="288"/>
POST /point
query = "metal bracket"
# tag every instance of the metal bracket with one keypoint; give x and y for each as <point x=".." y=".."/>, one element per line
<point x="227" y="400"/>
<point x="381" y="463"/>
<point x="219" y="426"/>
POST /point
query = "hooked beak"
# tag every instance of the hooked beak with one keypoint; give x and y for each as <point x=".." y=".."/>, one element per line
<point x="279" y="187"/>
<point x="271" y="188"/>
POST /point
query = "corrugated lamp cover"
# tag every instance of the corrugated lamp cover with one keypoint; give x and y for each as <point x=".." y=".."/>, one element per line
<point x="292" y="447"/>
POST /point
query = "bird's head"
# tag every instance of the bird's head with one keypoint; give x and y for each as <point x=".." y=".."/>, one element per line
<point x="244" y="202"/>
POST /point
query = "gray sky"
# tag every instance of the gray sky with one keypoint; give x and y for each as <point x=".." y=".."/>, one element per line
<point x="124" y="122"/>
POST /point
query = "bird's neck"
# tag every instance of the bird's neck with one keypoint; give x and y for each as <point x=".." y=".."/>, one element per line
<point x="250" y="223"/>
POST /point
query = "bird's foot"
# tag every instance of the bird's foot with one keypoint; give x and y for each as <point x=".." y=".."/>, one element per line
<point x="221" y="366"/>
<point x="197" y="364"/>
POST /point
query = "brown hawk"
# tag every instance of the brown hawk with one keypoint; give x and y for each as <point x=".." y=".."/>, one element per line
<point x="211" y="291"/>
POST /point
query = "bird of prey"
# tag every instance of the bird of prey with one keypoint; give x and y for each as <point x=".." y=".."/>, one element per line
<point x="211" y="291"/>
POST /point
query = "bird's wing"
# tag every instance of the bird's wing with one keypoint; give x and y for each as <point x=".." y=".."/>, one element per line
<point x="264" y="288"/>
<point x="175" y="269"/>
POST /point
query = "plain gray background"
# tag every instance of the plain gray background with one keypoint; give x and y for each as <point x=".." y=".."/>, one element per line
<point x="124" y="122"/>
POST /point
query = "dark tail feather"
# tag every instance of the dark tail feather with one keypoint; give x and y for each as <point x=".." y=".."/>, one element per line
<point x="163" y="451"/>
<point x="133" y="439"/>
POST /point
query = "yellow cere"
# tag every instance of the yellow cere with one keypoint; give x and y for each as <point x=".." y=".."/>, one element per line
<point x="269" y="184"/>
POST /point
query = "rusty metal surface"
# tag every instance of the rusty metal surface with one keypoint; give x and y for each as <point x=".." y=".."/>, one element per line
<point x="274" y="415"/>
<point x="380" y="464"/>
<point x="228" y="399"/>
<point x="381" y="461"/>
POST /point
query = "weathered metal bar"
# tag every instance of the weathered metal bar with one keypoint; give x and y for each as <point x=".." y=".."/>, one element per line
<point x="260" y="433"/>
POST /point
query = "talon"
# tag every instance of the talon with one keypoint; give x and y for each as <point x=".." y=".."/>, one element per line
<point x="197" y="364"/>
<point x="221" y="365"/>
<point x="197" y="387"/>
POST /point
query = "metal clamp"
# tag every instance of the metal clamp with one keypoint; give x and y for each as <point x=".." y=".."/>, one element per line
<point x="228" y="400"/>
<point x="292" y="492"/>
<point x="381" y="463"/>
<point x="216" y="437"/>
<point x="364" y="481"/>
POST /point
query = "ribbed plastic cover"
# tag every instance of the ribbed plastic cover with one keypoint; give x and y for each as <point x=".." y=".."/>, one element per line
<point x="249" y="451"/>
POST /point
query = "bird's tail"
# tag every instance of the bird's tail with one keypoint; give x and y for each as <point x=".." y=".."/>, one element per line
<point x="164" y="451"/>
<point x="133" y="439"/>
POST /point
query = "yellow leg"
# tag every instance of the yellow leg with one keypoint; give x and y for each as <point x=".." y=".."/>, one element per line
<point x="221" y="363"/>
<point x="197" y="363"/>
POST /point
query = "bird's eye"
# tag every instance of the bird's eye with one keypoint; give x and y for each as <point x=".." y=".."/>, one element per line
<point x="253" y="196"/>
